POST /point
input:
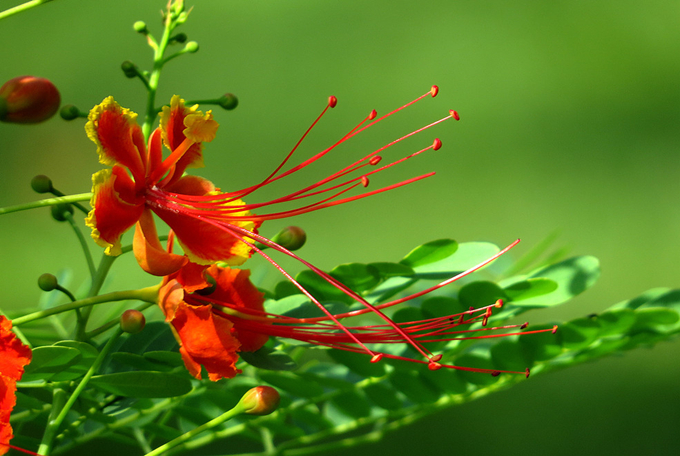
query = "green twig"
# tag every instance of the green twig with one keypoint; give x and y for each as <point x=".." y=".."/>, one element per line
<point x="83" y="244"/>
<point x="23" y="7"/>
<point x="46" y="202"/>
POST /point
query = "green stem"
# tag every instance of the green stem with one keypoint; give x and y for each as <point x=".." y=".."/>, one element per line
<point x="54" y="424"/>
<point x="83" y="244"/>
<point x="148" y="294"/>
<point x="238" y="409"/>
<point x="97" y="283"/>
<point x="155" y="75"/>
<point x="46" y="202"/>
<point x="105" y="327"/>
<point x="22" y="7"/>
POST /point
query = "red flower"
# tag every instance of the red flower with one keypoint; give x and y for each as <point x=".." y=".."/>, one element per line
<point x="210" y="225"/>
<point x="216" y="318"/>
<point x="122" y="194"/>
<point x="13" y="357"/>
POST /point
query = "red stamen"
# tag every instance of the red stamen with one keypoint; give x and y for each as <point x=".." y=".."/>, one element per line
<point x="375" y="160"/>
<point x="332" y="101"/>
<point x="454" y="114"/>
<point x="364" y="181"/>
<point x="437" y="144"/>
<point x="554" y="330"/>
<point x="434" y="91"/>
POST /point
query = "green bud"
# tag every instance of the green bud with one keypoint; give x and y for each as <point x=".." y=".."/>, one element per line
<point x="228" y="101"/>
<point x="132" y="321"/>
<point x="261" y="400"/>
<point x="291" y="237"/>
<point x="59" y="211"/>
<point x="41" y="184"/>
<point x="140" y="27"/>
<point x="47" y="282"/>
<point x="69" y="112"/>
<point x="180" y="38"/>
<point x="129" y="69"/>
<point x="191" y="47"/>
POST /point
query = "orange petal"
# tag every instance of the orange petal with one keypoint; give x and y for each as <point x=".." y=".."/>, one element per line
<point x="148" y="249"/>
<point x="172" y="124"/>
<point x="112" y="214"/>
<point x="206" y="340"/>
<point x="118" y="138"/>
<point x="235" y="288"/>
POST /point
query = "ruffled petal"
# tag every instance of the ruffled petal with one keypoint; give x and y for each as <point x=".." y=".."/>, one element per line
<point x="150" y="253"/>
<point x="172" y="125"/>
<point x="235" y="288"/>
<point x="206" y="340"/>
<point x="115" y="208"/>
<point x="118" y="138"/>
<point x="13" y="357"/>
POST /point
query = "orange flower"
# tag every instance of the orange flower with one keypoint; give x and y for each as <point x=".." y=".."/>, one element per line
<point x="13" y="357"/>
<point x="121" y="194"/>
<point x="206" y="338"/>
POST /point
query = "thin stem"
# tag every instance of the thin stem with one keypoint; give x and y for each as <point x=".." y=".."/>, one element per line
<point x="148" y="294"/>
<point x="23" y="7"/>
<point x="112" y="323"/>
<point x="54" y="424"/>
<point x="97" y="283"/>
<point x="237" y="410"/>
<point x="83" y="244"/>
<point x="155" y="75"/>
<point x="46" y="202"/>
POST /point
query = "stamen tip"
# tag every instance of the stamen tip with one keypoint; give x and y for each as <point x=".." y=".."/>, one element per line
<point x="375" y="160"/>
<point x="436" y="358"/>
<point x="527" y="372"/>
<point x="373" y="115"/>
<point x="437" y="144"/>
<point x="495" y="373"/>
<point x="332" y="101"/>
<point x="454" y="114"/>
<point x="498" y="304"/>
<point x="554" y="330"/>
<point x="434" y="90"/>
<point x="525" y="325"/>
<point x="364" y="181"/>
<point x="376" y="358"/>
<point x="434" y="366"/>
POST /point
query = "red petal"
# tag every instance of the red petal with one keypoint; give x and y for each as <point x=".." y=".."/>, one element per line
<point x="172" y="123"/>
<point x="206" y="340"/>
<point x="150" y="253"/>
<point x="112" y="215"/>
<point x="118" y="138"/>
<point x="235" y="288"/>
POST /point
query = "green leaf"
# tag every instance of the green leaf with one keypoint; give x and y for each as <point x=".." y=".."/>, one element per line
<point x="658" y="319"/>
<point x="266" y="358"/>
<point x="138" y="362"/>
<point x="286" y="288"/>
<point x="573" y="276"/>
<point x="320" y="288"/>
<point x="510" y="355"/>
<point x="442" y="306"/>
<point x="168" y="358"/>
<point x="383" y="395"/>
<point x="357" y="276"/>
<point x="358" y="362"/>
<point x="407" y="314"/>
<point x="615" y="322"/>
<point x="468" y="255"/>
<point x="415" y="387"/>
<point x="156" y="336"/>
<point x="352" y="403"/>
<point x="446" y="379"/>
<point x="641" y="300"/>
<point x="477" y="361"/>
<point x="480" y="294"/>
<point x="285" y="305"/>
<point x="291" y="383"/>
<point x="50" y="360"/>
<point x="82" y="364"/>
<point x="387" y="270"/>
<point x="579" y="333"/>
<point x="542" y="346"/>
<point x="142" y="384"/>
<point x="429" y="253"/>
<point x="530" y="288"/>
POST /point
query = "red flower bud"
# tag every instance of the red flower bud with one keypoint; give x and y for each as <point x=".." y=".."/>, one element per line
<point x="261" y="400"/>
<point x="27" y="99"/>
<point x="132" y="321"/>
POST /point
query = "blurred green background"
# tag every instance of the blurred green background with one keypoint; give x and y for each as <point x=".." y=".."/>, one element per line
<point x="569" y="121"/>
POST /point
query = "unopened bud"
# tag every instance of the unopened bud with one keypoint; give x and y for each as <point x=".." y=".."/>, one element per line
<point x="47" y="282"/>
<point x="180" y="38"/>
<point x="41" y="184"/>
<point x="191" y="47"/>
<point x="228" y="101"/>
<point x="69" y="112"/>
<point x="27" y="99"/>
<point x="261" y="400"/>
<point x="140" y="27"/>
<point x="59" y="211"/>
<point x="291" y="238"/>
<point x="132" y="321"/>
<point x="129" y="69"/>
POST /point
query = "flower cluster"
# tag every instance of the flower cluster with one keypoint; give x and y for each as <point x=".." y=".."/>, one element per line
<point x="215" y="311"/>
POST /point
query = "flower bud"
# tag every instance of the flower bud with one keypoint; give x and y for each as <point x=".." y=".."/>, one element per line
<point x="59" y="211"/>
<point x="228" y="101"/>
<point x="69" y="112"/>
<point x="47" y="282"/>
<point x="261" y="400"/>
<point x="132" y="321"/>
<point x="140" y="27"/>
<point x="179" y="38"/>
<point x="129" y="69"/>
<point x="41" y="184"/>
<point x="27" y="99"/>
<point x="291" y="237"/>
<point x="191" y="47"/>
